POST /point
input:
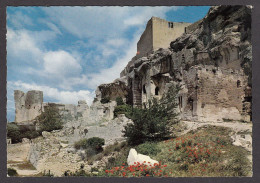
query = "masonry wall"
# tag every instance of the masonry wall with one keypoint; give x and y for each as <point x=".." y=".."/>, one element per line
<point x="27" y="105"/>
<point x="145" y="44"/>
<point x="220" y="94"/>
<point x="163" y="35"/>
<point x="158" y="34"/>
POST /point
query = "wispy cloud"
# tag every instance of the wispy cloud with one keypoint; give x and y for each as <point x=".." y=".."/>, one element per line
<point x="74" y="49"/>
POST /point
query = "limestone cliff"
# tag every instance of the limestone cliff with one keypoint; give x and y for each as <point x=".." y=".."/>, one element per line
<point x="211" y="61"/>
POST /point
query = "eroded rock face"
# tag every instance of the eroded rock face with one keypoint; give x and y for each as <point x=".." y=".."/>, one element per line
<point x="211" y="62"/>
<point x="134" y="158"/>
<point x="27" y="105"/>
<point x="55" y="151"/>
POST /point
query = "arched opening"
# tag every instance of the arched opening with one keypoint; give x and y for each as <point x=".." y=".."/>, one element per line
<point x="238" y="83"/>
<point x="144" y="90"/>
<point x="157" y="90"/>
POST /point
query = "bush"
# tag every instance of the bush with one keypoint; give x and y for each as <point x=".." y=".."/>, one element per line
<point x="148" y="148"/>
<point x="12" y="172"/>
<point x="119" y="101"/>
<point x="154" y="121"/>
<point x="123" y="109"/>
<point x="81" y="144"/>
<point x="105" y="100"/>
<point x="30" y="134"/>
<point x="17" y="134"/>
<point x="92" y="145"/>
<point x="96" y="143"/>
<point x="13" y="132"/>
<point x="50" y="119"/>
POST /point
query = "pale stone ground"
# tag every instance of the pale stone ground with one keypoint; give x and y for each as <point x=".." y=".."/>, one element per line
<point x="17" y="154"/>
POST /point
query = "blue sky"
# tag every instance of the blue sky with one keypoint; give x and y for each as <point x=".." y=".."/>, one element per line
<point x="68" y="51"/>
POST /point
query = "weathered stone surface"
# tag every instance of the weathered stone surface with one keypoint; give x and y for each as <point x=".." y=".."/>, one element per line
<point x="27" y="105"/>
<point x="133" y="158"/>
<point x="211" y="62"/>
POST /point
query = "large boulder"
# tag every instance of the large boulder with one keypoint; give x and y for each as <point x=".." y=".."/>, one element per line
<point x="134" y="157"/>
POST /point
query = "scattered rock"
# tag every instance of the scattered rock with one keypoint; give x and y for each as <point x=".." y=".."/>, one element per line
<point x="134" y="157"/>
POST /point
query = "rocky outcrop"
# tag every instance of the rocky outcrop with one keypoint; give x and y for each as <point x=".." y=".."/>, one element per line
<point x="55" y="151"/>
<point x="135" y="158"/>
<point x="212" y="63"/>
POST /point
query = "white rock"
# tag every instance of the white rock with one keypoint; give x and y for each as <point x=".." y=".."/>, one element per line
<point x="46" y="134"/>
<point x="25" y="140"/>
<point x="134" y="157"/>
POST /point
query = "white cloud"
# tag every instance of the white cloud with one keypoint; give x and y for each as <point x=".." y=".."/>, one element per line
<point x="101" y="22"/>
<point x="18" y="19"/>
<point x="21" y="45"/>
<point x="62" y="96"/>
<point x="60" y="74"/>
<point x="61" y="63"/>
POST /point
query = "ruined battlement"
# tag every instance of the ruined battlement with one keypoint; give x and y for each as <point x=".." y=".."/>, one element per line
<point x="211" y="61"/>
<point x="158" y="34"/>
<point x="27" y="105"/>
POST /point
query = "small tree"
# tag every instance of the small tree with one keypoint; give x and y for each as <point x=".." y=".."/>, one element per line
<point x="13" y="132"/>
<point x="119" y="101"/>
<point x="50" y="119"/>
<point x="154" y="121"/>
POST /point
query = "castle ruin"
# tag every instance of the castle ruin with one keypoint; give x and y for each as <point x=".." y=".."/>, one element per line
<point x="210" y="59"/>
<point x="158" y="34"/>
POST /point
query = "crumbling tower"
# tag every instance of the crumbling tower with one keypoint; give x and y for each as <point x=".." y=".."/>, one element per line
<point x="27" y="105"/>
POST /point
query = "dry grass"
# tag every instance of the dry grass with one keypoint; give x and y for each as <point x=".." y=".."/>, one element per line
<point x="25" y="166"/>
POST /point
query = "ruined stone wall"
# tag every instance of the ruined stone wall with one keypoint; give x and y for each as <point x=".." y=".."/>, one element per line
<point x="220" y="94"/>
<point x="27" y="105"/>
<point x="145" y="44"/>
<point x="164" y="32"/>
<point x="158" y="34"/>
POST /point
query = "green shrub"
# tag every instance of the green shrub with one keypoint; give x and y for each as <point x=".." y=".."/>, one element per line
<point x="17" y="134"/>
<point x="154" y="121"/>
<point x="30" y="134"/>
<point x="13" y="132"/>
<point x="123" y="109"/>
<point x="105" y="100"/>
<point x="119" y="101"/>
<point x="81" y="144"/>
<point x="148" y="148"/>
<point x="96" y="143"/>
<point x="50" y="119"/>
<point x="12" y="172"/>
<point x="92" y="145"/>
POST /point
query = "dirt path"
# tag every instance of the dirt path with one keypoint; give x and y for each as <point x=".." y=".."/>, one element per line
<point x="17" y="159"/>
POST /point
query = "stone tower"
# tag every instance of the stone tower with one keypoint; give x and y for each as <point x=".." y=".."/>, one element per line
<point x="27" y="105"/>
<point x="158" y="34"/>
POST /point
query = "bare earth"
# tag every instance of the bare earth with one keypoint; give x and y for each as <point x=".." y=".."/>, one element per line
<point x="17" y="159"/>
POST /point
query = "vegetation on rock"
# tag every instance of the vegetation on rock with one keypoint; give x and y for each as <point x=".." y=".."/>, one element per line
<point x="153" y="122"/>
<point x="50" y="119"/>
<point x="12" y="172"/>
<point x="92" y="145"/>
<point x="17" y="133"/>
<point x="105" y="100"/>
<point x="206" y="152"/>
